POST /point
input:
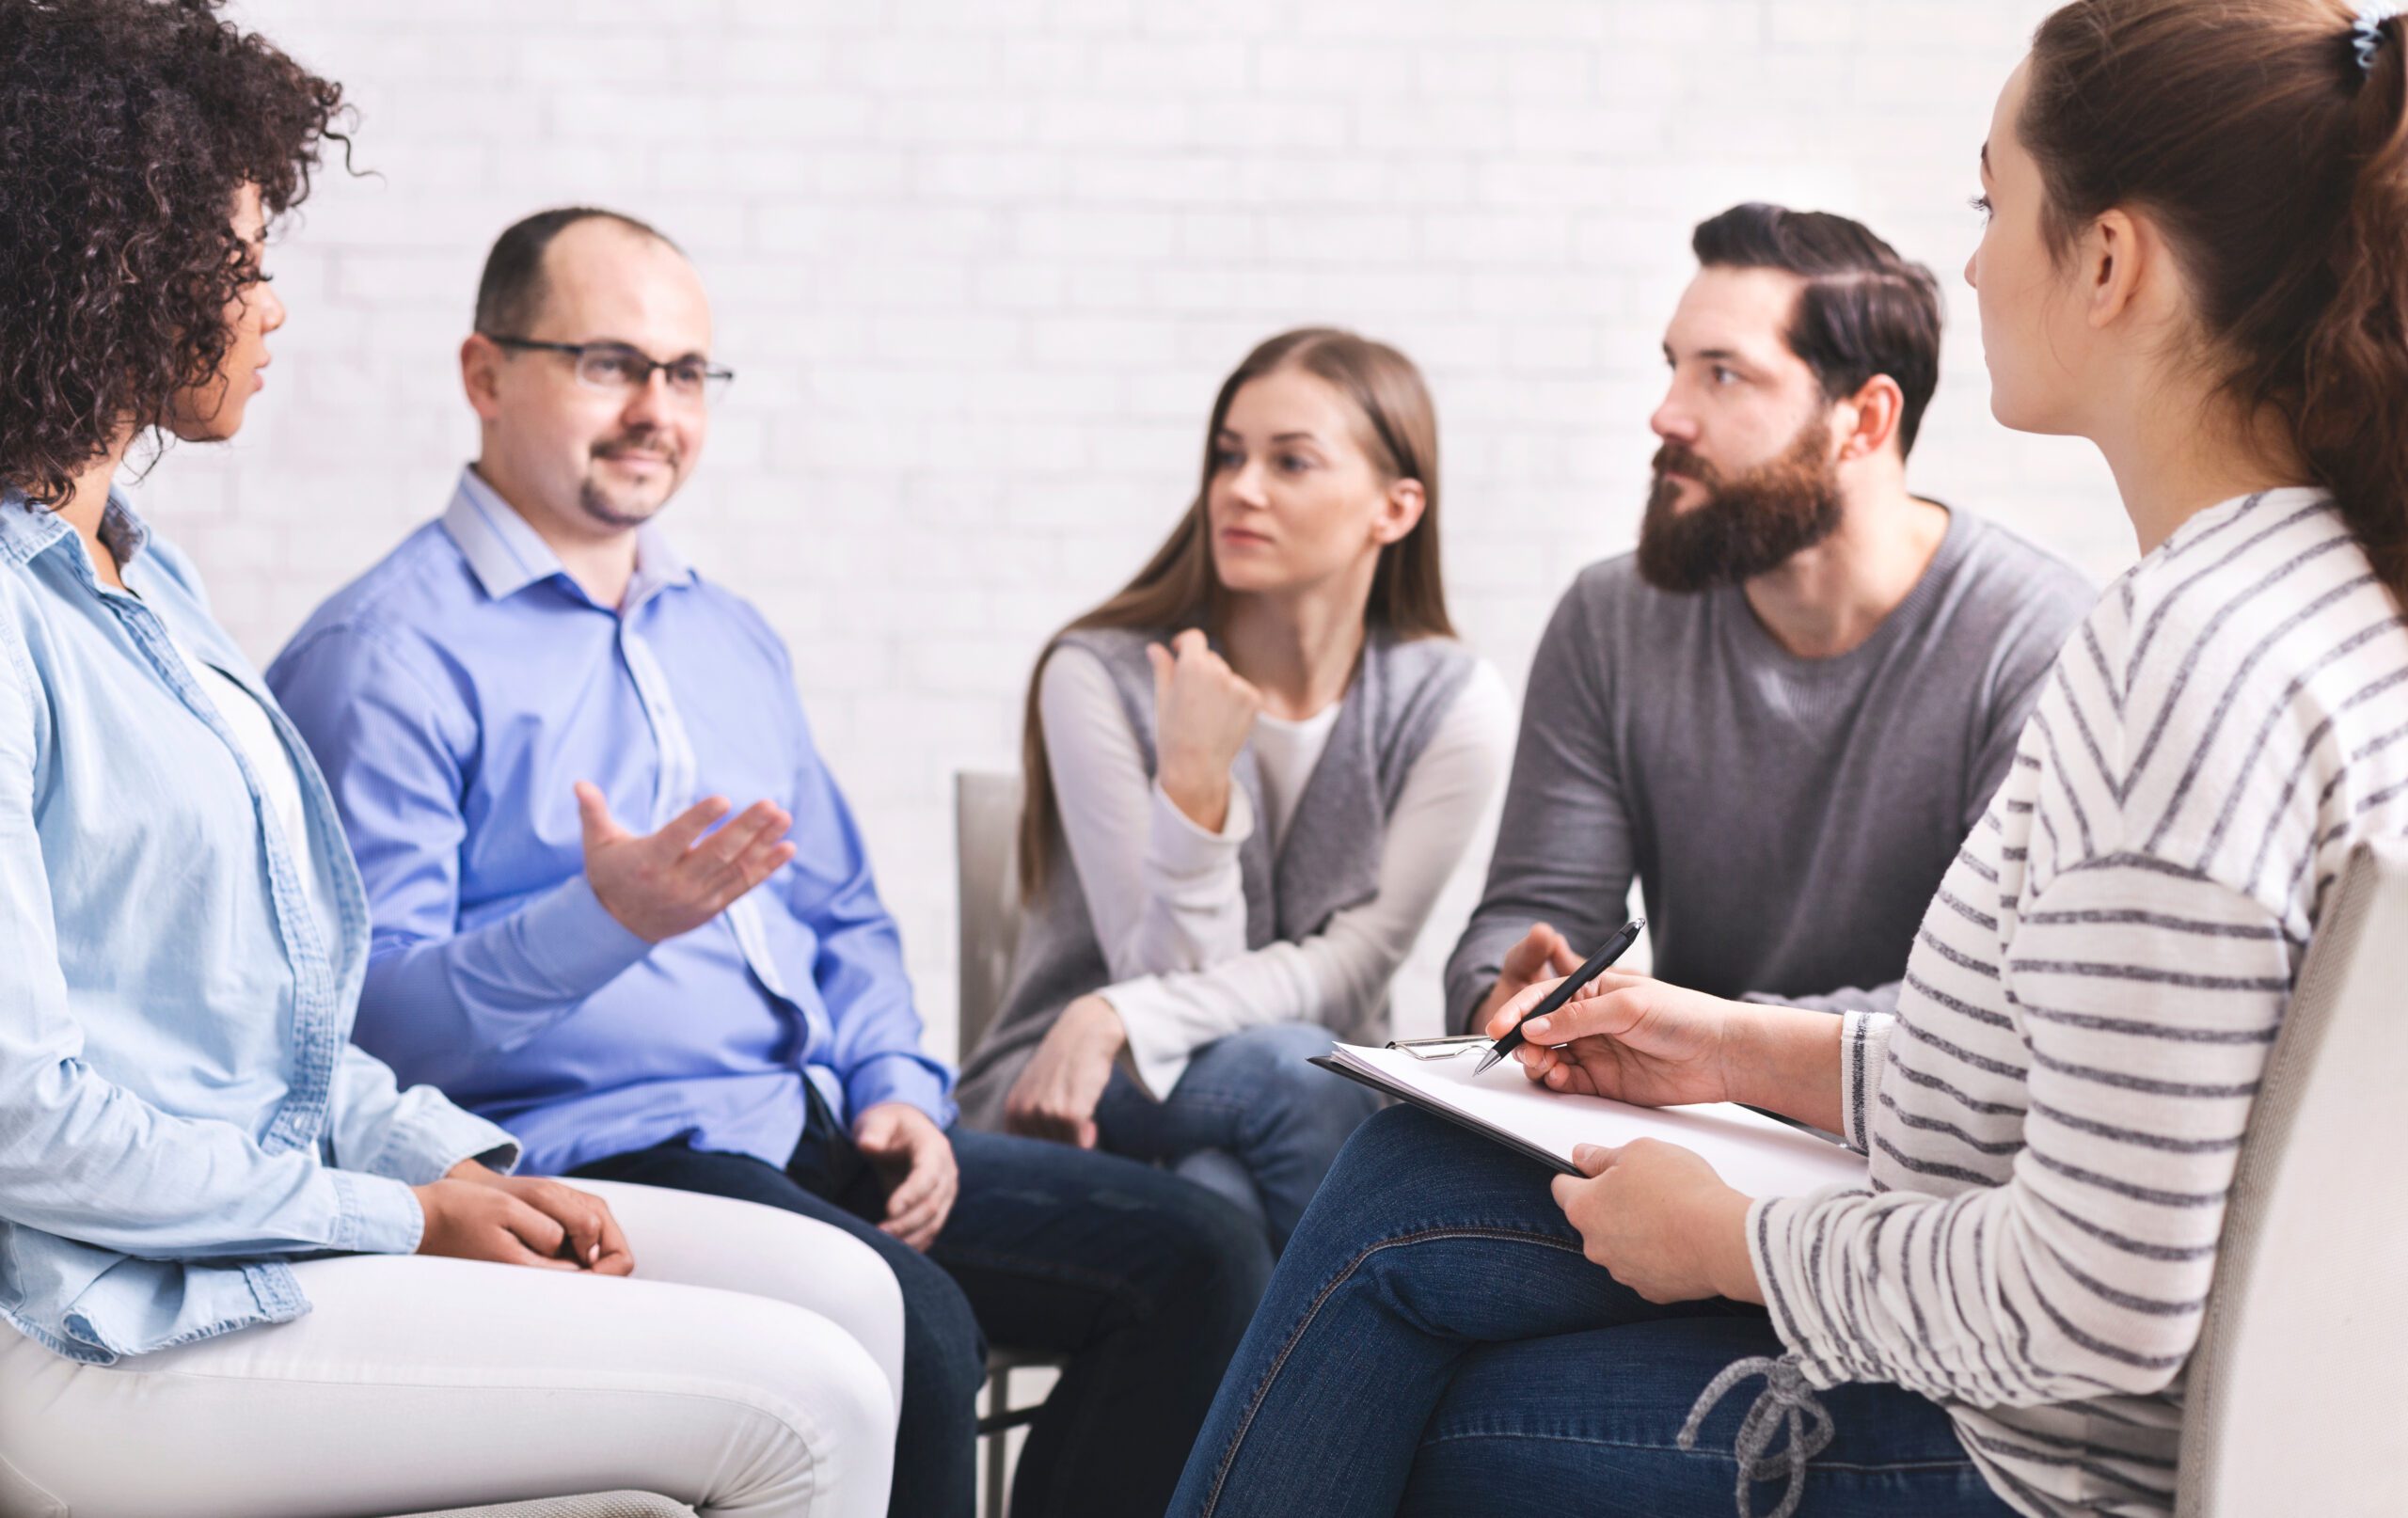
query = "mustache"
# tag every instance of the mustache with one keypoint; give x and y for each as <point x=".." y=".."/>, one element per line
<point x="1673" y="459"/>
<point x="647" y="440"/>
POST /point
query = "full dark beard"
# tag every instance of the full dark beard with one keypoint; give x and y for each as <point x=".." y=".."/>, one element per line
<point x="1746" y="525"/>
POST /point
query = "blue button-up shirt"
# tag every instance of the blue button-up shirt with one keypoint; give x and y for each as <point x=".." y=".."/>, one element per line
<point x="455" y="695"/>
<point x="180" y="1103"/>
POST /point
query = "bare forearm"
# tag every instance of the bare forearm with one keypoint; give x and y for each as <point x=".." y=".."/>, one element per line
<point x="1729" y="1265"/>
<point x="1785" y="1059"/>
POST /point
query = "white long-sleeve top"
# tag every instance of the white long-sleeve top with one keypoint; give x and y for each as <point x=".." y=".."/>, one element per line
<point x="1166" y="895"/>
<point x="2055" y="1111"/>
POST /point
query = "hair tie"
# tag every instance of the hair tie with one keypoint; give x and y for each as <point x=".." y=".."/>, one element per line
<point x="2366" y="34"/>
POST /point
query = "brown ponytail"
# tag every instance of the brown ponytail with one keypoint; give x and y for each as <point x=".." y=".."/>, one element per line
<point x="2269" y="139"/>
<point x="2353" y="414"/>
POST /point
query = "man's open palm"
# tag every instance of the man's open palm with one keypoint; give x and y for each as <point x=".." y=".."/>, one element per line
<point x="674" y="880"/>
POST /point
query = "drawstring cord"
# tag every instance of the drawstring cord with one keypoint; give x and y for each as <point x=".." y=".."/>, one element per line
<point x="1787" y="1402"/>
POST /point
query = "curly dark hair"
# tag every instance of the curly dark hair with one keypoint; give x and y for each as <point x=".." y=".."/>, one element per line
<point x="127" y="127"/>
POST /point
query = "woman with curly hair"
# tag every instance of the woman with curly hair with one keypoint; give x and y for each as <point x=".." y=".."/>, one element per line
<point x="193" y="1156"/>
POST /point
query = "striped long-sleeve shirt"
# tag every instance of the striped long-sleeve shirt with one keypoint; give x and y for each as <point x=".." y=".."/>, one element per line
<point x="2053" y="1113"/>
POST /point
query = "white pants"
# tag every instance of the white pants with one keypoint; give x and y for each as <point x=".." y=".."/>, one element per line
<point x="752" y="1365"/>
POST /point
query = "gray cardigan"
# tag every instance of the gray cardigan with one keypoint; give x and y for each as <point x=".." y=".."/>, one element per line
<point x="1328" y="860"/>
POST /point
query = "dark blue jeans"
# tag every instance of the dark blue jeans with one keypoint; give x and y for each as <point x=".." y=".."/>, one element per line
<point x="1250" y="1119"/>
<point x="1434" y="1343"/>
<point x="1142" y="1281"/>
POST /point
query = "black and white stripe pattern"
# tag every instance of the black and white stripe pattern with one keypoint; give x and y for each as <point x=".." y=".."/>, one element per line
<point x="2053" y="1113"/>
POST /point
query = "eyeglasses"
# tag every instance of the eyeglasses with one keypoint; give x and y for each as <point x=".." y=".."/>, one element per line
<point x="618" y="367"/>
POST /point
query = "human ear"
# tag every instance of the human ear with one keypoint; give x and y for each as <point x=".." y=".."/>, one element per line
<point x="481" y="375"/>
<point x="1870" y="419"/>
<point x="1399" y="512"/>
<point x="2112" y="267"/>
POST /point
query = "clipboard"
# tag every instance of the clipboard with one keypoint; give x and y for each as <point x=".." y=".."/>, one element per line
<point x="1758" y="1155"/>
<point x="1460" y="1119"/>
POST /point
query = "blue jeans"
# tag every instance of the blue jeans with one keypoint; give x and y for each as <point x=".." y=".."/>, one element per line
<point x="1434" y="1343"/>
<point x="1248" y="1119"/>
<point x="1141" y="1280"/>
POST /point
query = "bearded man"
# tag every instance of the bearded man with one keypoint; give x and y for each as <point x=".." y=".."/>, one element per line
<point x="1783" y="713"/>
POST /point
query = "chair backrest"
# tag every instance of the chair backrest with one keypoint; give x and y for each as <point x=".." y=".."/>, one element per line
<point x="986" y="830"/>
<point x="2294" y="1398"/>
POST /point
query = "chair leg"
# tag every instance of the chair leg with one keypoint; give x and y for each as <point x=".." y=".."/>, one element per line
<point x="999" y="1400"/>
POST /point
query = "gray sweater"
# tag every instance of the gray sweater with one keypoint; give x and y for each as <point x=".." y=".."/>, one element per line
<point x="1787" y="820"/>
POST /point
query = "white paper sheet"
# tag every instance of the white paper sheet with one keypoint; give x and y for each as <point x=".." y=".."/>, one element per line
<point x="1751" y="1152"/>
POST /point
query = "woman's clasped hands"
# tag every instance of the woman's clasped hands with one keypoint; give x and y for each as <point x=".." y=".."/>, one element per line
<point x="475" y="1212"/>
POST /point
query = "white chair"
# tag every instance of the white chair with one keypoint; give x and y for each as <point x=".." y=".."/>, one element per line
<point x="986" y="825"/>
<point x="2294" y="1400"/>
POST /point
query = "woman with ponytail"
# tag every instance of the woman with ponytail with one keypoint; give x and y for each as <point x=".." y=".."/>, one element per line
<point x="2196" y="257"/>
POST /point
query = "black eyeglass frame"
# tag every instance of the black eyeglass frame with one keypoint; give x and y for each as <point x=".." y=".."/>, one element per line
<point x="714" y="378"/>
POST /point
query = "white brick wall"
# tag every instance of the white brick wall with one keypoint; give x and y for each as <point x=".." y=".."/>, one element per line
<point x="982" y="263"/>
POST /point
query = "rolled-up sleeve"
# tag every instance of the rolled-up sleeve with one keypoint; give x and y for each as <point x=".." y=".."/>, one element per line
<point x="1864" y="1046"/>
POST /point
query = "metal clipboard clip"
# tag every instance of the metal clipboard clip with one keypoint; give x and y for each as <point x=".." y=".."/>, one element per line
<point x="1440" y="1048"/>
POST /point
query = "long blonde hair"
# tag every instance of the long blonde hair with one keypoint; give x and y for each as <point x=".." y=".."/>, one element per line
<point x="1399" y="430"/>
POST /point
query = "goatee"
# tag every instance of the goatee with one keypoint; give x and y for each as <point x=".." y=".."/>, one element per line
<point x="598" y="504"/>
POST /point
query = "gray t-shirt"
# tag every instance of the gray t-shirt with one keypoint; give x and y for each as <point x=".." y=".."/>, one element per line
<point x="1787" y="820"/>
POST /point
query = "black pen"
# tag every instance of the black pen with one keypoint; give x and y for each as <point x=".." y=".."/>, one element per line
<point x="1598" y="964"/>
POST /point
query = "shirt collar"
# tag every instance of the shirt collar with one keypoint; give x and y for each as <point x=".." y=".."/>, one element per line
<point x="27" y="531"/>
<point x="658" y="564"/>
<point x="506" y="555"/>
<point x="502" y="551"/>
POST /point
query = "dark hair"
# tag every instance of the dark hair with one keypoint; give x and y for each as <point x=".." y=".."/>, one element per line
<point x="510" y="294"/>
<point x="1864" y="311"/>
<point x="2276" y="164"/>
<point x="1397" y="427"/>
<point x="126" y="129"/>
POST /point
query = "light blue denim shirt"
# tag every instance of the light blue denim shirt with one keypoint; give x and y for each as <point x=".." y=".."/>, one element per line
<point x="454" y="695"/>
<point x="181" y="1105"/>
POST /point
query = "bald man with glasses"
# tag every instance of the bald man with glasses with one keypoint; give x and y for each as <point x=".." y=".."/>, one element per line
<point x="534" y="714"/>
